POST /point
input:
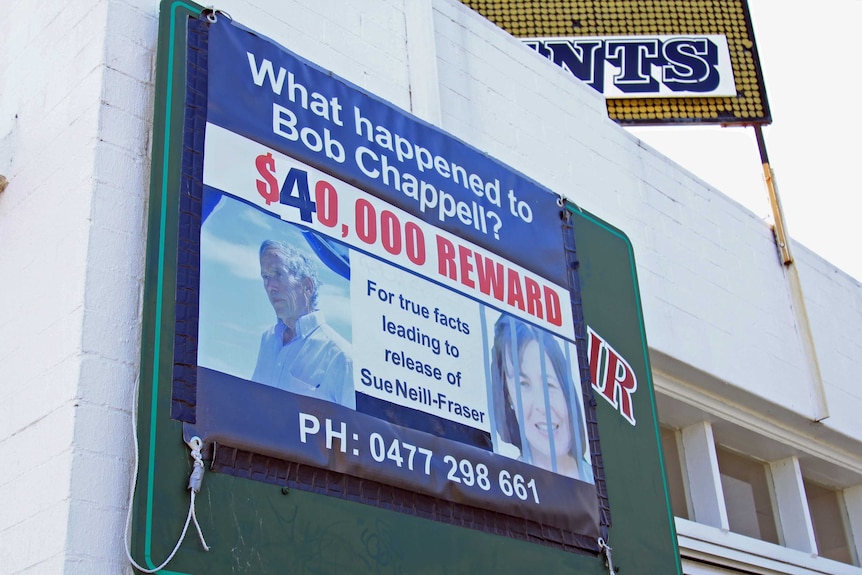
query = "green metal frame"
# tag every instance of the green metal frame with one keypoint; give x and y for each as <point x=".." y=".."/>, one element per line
<point x="256" y="527"/>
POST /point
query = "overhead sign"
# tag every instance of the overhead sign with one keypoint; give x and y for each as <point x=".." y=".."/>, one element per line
<point x="669" y="62"/>
<point x="644" y="66"/>
<point x="442" y="377"/>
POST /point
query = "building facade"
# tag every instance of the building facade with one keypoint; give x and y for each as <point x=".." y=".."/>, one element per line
<point x="755" y="364"/>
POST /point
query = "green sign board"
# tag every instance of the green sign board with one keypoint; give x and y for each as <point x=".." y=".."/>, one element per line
<point x="417" y="481"/>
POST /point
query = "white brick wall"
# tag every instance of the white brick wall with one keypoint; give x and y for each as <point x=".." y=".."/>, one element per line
<point x="76" y="90"/>
<point x="835" y="309"/>
<point x="49" y="117"/>
<point x="74" y="124"/>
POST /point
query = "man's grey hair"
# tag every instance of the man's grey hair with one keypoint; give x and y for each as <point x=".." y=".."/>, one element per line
<point x="296" y="262"/>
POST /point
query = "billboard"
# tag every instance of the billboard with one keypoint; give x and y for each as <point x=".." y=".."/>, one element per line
<point x="670" y="62"/>
<point x="371" y="324"/>
<point x="645" y="66"/>
<point x="375" y="297"/>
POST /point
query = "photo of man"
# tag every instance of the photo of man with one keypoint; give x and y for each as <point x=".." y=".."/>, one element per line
<point x="300" y="353"/>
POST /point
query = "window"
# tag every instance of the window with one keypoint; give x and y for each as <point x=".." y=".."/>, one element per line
<point x="670" y="447"/>
<point x="830" y="524"/>
<point x="747" y="496"/>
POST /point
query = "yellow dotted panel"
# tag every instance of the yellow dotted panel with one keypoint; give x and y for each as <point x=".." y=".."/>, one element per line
<point x="546" y="18"/>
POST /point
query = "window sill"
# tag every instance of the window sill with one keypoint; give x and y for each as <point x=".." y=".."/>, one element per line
<point x="707" y="550"/>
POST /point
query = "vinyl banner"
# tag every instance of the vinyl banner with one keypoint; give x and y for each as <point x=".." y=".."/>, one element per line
<point x="379" y="299"/>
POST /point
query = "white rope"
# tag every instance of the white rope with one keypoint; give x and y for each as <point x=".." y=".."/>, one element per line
<point x="195" y="480"/>
<point x="606" y="551"/>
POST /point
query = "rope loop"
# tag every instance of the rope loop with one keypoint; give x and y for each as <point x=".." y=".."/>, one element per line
<point x="212" y="14"/>
<point x="195" y="479"/>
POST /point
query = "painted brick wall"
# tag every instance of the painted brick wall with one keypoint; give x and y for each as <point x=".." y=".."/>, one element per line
<point x="49" y="115"/>
<point x="75" y="109"/>
<point x="76" y="90"/>
<point x="834" y="302"/>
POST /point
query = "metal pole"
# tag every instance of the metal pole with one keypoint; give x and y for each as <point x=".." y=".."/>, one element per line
<point x="780" y="229"/>
<point x="817" y="393"/>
